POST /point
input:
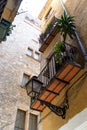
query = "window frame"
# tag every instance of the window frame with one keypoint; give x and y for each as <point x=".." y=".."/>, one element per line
<point x="38" y="55"/>
<point x="29" y="49"/>
<point x="36" y="116"/>
<point x="19" y="120"/>
<point x="25" y="77"/>
<point x="48" y="14"/>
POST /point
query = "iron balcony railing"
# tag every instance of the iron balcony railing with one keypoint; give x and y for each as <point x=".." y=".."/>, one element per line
<point x="49" y="29"/>
<point x="54" y="77"/>
<point x="69" y="54"/>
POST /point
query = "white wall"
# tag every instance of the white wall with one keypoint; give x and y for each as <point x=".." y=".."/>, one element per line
<point x="78" y="122"/>
<point x="83" y="126"/>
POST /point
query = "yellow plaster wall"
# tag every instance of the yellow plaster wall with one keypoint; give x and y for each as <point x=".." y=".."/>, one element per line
<point x="78" y="93"/>
<point x="78" y="9"/>
<point x="10" y="10"/>
<point x="77" y="102"/>
<point x="8" y="14"/>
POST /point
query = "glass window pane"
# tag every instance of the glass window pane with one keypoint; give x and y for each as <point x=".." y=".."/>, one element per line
<point x="20" y="120"/>
<point x="33" y="122"/>
<point x="36" y="56"/>
<point x="25" y="79"/>
<point x="29" y="52"/>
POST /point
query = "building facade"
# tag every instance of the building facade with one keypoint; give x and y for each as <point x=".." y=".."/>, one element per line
<point x="56" y="100"/>
<point x="19" y="60"/>
<point x="8" y="11"/>
<point x="62" y="98"/>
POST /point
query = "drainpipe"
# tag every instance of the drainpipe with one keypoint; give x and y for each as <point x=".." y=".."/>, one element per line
<point x="83" y="50"/>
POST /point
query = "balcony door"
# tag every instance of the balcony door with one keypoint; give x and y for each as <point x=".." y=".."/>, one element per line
<point x="51" y="66"/>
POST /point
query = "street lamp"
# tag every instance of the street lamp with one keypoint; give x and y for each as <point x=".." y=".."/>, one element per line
<point x="34" y="87"/>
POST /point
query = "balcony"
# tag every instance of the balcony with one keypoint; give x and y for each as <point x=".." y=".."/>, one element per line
<point x="54" y="77"/>
<point x="48" y="35"/>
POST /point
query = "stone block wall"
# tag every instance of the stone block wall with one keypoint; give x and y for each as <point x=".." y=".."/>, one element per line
<point x="13" y="63"/>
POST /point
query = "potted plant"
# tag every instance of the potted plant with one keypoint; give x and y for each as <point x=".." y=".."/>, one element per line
<point x="58" y="51"/>
<point x="65" y="27"/>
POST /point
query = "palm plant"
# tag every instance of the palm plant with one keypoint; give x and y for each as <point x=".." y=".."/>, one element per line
<point x="66" y="26"/>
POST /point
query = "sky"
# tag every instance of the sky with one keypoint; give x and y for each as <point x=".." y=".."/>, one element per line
<point x="33" y="7"/>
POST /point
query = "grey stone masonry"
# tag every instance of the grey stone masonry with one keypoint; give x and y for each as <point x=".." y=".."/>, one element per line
<point x="13" y="63"/>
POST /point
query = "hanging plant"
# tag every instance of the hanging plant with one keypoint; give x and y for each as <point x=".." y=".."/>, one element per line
<point x="66" y="26"/>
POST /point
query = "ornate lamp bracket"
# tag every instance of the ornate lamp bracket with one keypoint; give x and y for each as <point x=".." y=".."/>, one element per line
<point x="58" y="110"/>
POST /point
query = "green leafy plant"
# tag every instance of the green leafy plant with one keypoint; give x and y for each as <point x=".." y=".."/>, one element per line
<point x="10" y="29"/>
<point x="48" y="27"/>
<point x="66" y="26"/>
<point x="58" y="50"/>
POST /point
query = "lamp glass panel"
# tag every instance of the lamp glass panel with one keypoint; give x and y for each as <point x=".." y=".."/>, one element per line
<point x="36" y="86"/>
<point x="29" y="87"/>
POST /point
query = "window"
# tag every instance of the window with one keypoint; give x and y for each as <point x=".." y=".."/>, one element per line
<point x="33" y="53"/>
<point x="36" y="55"/>
<point x="48" y="14"/>
<point x="33" y="122"/>
<point x="20" y="120"/>
<point x="25" y="79"/>
<point x="29" y="52"/>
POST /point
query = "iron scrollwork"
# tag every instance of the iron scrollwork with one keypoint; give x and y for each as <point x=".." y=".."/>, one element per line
<point x="58" y="110"/>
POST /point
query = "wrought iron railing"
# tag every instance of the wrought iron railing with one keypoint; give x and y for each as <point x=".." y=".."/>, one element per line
<point x="49" y="29"/>
<point x="69" y="54"/>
